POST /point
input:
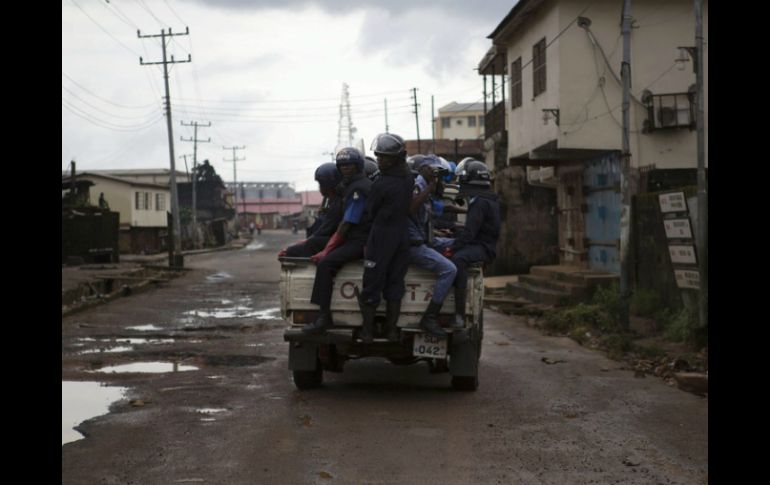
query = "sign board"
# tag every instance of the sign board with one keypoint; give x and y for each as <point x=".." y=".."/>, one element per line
<point x="674" y="202"/>
<point x="687" y="278"/>
<point x="682" y="254"/>
<point x="678" y="228"/>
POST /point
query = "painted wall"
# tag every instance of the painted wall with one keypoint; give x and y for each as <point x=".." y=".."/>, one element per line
<point x="581" y="86"/>
<point x="121" y="198"/>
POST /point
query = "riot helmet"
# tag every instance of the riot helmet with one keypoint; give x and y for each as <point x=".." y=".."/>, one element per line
<point x="426" y="161"/>
<point x="371" y="168"/>
<point x="350" y="156"/>
<point x="327" y="176"/>
<point x="473" y="172"/>
<point x="388" y="144"/>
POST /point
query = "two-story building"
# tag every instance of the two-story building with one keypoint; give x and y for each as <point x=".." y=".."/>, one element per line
<point x="557" y="63"/>
<point x="269" y="204"/>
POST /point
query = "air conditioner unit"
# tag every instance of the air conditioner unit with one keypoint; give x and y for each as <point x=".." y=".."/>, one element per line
<point x="667" y="111"/>
<point x="666" y="117"/>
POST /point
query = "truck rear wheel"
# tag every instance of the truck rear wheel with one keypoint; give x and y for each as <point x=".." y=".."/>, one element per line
<point x="465" y="383"/>
<point x="308" y="379"/>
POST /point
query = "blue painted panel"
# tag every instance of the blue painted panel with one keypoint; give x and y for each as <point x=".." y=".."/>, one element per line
<point x="603" y="217"/>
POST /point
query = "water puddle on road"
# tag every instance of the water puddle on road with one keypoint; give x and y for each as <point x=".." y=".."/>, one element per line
<point x="255" y="245"/>
<point x="217" y="277"/>
<point x="108" y="350"/>
<point x="147" y="367"/>
<point x="144" y="328"/>
<point x="84" y="400"/>
<point x="237" y="312"/>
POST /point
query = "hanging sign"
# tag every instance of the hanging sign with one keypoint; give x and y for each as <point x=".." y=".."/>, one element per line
<point x="674" y="202"/>
<point x="682" y="254"/>
<point x="678" y="228"/>
<point x="686" y="278"/>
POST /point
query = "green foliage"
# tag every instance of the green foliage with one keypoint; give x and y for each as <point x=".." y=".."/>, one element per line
<point x="581" y="314"/>
<point x="645" y="303"/>
<point x="617" y="344"/>
<point x="608" y="299"/>
<point x="681" y="326"/>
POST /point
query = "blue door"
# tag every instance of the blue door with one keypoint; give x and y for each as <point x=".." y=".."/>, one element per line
<point x="603" y="199"/>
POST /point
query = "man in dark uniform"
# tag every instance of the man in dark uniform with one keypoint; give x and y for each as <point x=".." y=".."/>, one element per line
<point x="386" y="258"/>
<point x="347" y="243"/>
<point x="329" y="179"/>
<point x="477" y="241"/>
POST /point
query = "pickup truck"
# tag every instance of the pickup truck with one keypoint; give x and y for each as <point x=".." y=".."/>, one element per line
<point x="311" y="355"/>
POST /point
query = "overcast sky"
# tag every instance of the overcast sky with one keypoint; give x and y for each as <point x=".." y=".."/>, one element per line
<point x="266" y="74"/>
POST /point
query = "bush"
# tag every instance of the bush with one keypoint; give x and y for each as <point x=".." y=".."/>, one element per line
<point x="682" y="326"/>
<point x="608" y="299"/>
<point x="645" y="303"/>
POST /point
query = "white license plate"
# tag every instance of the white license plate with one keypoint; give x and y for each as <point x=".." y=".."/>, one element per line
<point x="429" y="346"/>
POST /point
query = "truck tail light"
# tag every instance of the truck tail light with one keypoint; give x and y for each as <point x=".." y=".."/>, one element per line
<point x="304" y="316"/>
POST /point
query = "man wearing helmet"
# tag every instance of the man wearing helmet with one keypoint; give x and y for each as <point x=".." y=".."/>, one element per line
<point x="477" y="241"/>
<point x="347" y="243"/>
<point x="386" y="258"/>
<point x="371" y="168"/>
<point x="423" y="207"/>
<point x="329" y="179"/>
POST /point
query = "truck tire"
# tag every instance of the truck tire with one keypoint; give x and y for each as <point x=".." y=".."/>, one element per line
<point x="309" y="379"/>
<point x="465" y="383"/>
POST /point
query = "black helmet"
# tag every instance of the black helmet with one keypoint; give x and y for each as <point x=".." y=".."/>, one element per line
<point x="328" y="176"/>
<point x="426" y="160"/>
<point x="473" y="172"/>
<point x="388" y="144"/>
<point x="371" y="168"/>
<point x="350" y="155"/>
<point x="413" y="160"/>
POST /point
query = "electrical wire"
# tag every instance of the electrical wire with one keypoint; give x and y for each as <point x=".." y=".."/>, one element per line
<point x="103" y="124"/>
<point x="104" y="29"/>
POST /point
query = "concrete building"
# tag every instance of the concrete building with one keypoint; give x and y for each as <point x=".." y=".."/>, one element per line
<point x="266" y="203"/>
<point x="559" y="113"/>
<point x="464" y="121"/>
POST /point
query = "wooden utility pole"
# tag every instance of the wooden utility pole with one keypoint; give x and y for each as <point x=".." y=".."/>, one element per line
<point x="176" y="258"/>
<point x="417" y="120"/>
<point x="235" y="160"/>
<point x="195" y="141"/>
<point x="703" y="201"/>
<point x="625" y="161"/>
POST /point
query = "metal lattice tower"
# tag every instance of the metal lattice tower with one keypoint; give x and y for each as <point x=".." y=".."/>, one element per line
<point x="346" y="131"/>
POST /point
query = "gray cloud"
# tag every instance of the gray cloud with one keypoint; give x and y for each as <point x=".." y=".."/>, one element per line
<point x="487" y="10"/>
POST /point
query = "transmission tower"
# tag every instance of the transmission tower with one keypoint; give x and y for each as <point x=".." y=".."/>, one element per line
<point x="346" y="131"/>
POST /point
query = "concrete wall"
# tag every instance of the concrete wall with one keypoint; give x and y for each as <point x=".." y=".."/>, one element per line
<point x="528" y="233"/>
<point x="574" y="69"/>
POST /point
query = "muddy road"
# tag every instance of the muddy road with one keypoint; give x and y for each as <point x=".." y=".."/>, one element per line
<point x="207" y="398"/>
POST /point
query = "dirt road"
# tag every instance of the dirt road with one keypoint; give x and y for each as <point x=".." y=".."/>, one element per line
<point x="547" y="411"/>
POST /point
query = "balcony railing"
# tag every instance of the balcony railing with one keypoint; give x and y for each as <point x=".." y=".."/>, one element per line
<point x="494" y="120"/>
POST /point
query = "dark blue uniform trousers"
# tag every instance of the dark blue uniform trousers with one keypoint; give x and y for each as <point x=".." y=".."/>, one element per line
<point x="465" y="257"/>
<point x="327" y="269"/>
<point x="390" y="253"/>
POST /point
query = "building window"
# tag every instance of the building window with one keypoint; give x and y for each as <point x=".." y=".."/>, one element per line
<point x="538" y="67"/>
<point x="278" y="194"/>
<point x="516" y="83"/>
<point x="446" y="121"/>
<point x="481" y="121"/>
<point x="459" y="121"/>
<point x="160" y="202"/>
<point x="471" y="121"/>
<point x="142" y="201"/>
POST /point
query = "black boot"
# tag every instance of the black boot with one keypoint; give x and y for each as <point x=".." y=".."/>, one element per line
<point x="459" y="321"/>
<point x="429" y="322"/>
<point x="367" y="326"/>
<point x="393" y="311"/>
<point x="321" y="323"/>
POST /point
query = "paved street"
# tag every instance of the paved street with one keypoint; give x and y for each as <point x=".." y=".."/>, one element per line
<point x="547" y="410"/>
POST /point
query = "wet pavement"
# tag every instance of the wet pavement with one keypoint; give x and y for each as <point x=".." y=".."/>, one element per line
<point x="236" y="418"/>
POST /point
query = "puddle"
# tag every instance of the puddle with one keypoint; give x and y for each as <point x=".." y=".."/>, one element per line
<point x="107" y="350"/>
<point x="255" y="245"/>
<point x="237" y="312"/>
<point x="144" y="328"/>
<point x="210" y="410"/>
<point x="84" y="400"/>
<point x="147" y="367"/>
<point x="218" y="277"/>
<point x="132" y="341"/>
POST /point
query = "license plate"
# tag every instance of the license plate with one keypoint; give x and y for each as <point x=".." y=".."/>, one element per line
<point x="429" y="346"/>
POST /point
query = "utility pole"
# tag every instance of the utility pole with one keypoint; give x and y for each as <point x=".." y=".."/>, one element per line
<point x="703" y="201"/>
<point x="186" y="170"/>
<point x="432" y="124"/>
<point x="625" y="213"/>
<point x="195" y="141"/>
<point x="235" y="181"/>
<point x="387" y="130"/>
<point x="417" y="120"/>
<point x="176" y="258"/>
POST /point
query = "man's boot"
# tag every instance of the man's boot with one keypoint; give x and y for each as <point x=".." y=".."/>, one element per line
<point x="459" y="321"/>
<point x="321" y="323"/>
<point x="429" y="320"/>
<point x="393" y="311"/>
<point x="367" y="327"/>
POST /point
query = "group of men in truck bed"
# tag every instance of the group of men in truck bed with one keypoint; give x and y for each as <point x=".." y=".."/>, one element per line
<point x="383" y="212"/>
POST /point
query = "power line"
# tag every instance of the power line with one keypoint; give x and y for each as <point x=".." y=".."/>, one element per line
<point x="105" y="124"/>
<point x="106" y="112"/>
<point x="103" y="29"/>
<point x="105" y="99"/>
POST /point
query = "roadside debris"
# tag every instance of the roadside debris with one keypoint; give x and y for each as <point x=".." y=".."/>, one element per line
<point x="552" y="362"/>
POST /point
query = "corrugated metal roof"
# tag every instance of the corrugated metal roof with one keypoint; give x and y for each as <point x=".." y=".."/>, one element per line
<point x="85" y="175"/>
<point x="453" y="107"/>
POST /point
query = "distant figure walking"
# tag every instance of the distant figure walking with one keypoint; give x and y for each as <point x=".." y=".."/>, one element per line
<point x="252" y="226"/>
<point x="103" y="202"/>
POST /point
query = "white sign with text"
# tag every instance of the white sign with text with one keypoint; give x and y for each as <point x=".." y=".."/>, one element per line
<point x="674" y="202"/>
<point x="678" y="228"/>
<point x="682" y="254"/>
